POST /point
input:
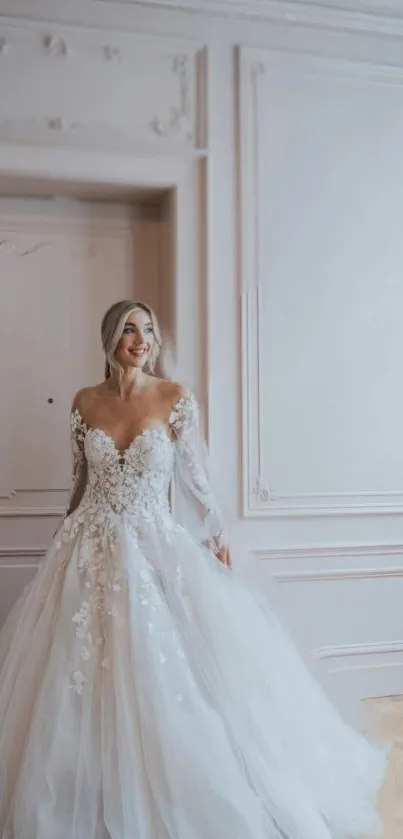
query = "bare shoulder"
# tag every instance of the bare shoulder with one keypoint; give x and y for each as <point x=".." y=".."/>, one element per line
<point x="85" y="397"/>
<point x="171" y="392"/>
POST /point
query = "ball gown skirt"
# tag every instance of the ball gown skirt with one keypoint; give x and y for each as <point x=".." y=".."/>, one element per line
<point x="145" y="693"/>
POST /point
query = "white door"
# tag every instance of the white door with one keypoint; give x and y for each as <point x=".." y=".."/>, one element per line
<point x="62" y="263"/>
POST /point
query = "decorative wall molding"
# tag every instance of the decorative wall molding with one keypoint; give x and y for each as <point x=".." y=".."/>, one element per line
<point x="332" y="574"/>
<point x="55" y="224"/>
<point x="14" y="247"/>
<point x="32" y="512"/>
<point x="179" y="119"/>
<point x="60" y="124"/>
<point x="268" y="502"/>
<point x="46" y="130"/>
<point x="20" y="553"/>
<point x="352" y="550"/>
<point x="257" y="62"/>
<point x="365" y="670"/>
<point x="353" y="650"/>
<point x="356" y="669"/>
<point x="59" y="131"/>
<point x="260" y="498"/>
<point x="56" y="47"/>
<point x="353" y="15"/>
<point x="112" y="53"/>
<point x="19" y="510"/>
<point x="7" y="494"/>
<point x="313" y="553"/>
<point x="159" y="77"/>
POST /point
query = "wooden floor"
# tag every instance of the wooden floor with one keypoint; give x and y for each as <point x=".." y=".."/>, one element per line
<point x="388" y="722"/>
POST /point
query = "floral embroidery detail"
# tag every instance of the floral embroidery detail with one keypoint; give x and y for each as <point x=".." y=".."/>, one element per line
<point x="78" y="430"/>
<point x="77" y="682"/>
<point x="82" y="619"/>
<point x="132" y="485"/>
<point x="185" y="423"/>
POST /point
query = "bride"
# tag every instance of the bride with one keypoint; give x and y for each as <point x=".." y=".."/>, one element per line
<point x="144" y="693"/>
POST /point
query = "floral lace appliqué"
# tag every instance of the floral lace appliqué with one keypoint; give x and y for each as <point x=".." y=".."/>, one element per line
<point x="185" y="424"/>
<point x="125" y="495"/>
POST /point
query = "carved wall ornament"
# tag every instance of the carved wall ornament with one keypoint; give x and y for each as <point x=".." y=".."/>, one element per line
<point x="7" y="495"/>
<point x="56" y="47"/>
<point x="15" y="248"/>
<point x="58" y="124"/>
<point x="178" y="120"/>
<point x="264" y="493"/>
<point x="112" y="53"/>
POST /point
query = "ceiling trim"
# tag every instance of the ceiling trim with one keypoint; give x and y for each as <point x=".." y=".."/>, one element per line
<point x="360" y="16"/>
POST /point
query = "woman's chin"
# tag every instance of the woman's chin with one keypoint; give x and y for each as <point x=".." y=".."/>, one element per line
<point x="135" y="363"/>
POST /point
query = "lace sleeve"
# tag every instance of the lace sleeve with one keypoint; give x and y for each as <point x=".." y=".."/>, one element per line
<point x="193" y="501"/>
<point x="79" y="463"/>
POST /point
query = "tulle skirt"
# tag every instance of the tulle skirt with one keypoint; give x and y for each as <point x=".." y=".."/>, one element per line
<point x="144" y="694"/>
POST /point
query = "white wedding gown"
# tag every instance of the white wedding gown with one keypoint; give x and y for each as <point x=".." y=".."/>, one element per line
<point x="144" y="693"/>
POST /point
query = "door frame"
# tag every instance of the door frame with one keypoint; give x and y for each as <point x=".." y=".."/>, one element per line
<point x="36" y="171"/>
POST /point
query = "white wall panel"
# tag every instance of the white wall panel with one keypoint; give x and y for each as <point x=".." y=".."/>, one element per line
<point x="95" y="89"/>
<point x="322" y="259"/>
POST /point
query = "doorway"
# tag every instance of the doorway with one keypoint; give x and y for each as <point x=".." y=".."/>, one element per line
<point x="64" y="260"/>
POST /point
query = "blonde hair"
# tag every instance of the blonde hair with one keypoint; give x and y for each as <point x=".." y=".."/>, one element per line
<point x="113" y="324"/>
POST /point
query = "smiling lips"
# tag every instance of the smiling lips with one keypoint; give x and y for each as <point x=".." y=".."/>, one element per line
<point x="138" y="352"/>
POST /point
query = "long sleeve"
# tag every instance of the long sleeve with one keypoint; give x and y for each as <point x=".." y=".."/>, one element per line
<point x="194" y="506"/>
<point x="79" y="463"/>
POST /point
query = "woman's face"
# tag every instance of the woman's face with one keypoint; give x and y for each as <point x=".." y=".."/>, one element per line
<point x="137" y="340"/>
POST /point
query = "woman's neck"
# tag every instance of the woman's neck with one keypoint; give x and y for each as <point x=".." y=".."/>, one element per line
<point x="132" y="380"/>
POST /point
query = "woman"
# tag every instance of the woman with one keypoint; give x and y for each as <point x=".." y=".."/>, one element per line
<point x="143" y="692"/>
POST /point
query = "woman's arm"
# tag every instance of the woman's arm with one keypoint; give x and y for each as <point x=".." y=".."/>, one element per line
<point x="78" y="430"/>
<point x="194" y="504"/>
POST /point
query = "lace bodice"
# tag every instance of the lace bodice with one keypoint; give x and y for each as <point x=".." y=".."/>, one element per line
<point x="134" y="484"/>
<point x="126" y="503"/>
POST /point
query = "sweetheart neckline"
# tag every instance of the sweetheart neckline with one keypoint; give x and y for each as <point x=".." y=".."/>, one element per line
<point x="155" y="426"/>
<point x="123" y="452"/>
